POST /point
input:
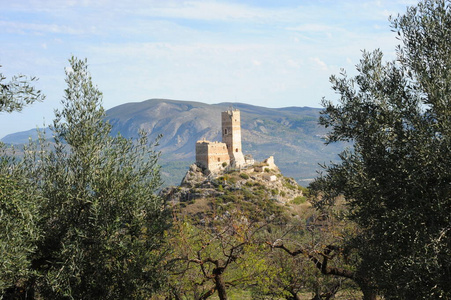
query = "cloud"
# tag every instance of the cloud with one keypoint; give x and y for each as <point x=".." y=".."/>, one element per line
<point x="194" y="10"/>
<point x="312" y="27"/>
<point x="23" y="28"/>
<point x="319" y="63"/>
<point x="272" y="53"/>
<point x="208" y="10"/>
<point x="256" y="63"/>
<point x="295" y="63"/>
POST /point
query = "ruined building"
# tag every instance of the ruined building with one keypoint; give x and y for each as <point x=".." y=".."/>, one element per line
<point x="216" y="156"/>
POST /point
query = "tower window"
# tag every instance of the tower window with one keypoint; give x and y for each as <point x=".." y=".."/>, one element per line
<point x="236" y="150"/>
<point x="225" y="131"/>
<point x="219" y="159"/>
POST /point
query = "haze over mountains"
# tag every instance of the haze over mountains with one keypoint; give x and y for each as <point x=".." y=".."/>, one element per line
<point x="292" y="134"/>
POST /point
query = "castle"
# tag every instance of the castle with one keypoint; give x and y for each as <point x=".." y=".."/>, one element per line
<point x="216" y="156"/>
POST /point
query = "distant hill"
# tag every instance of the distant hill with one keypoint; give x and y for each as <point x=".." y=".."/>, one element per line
<point x="291" y="134"/>
<point x="24" y="136"/>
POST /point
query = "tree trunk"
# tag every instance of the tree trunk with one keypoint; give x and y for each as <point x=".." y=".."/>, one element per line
<point x="220" y="287"/>
<point x="369" y="293"/>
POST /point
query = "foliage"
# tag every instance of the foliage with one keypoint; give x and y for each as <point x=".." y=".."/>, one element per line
<point x="291" y="184"/>
<point x="244" y="176"/>
<point x="17" y="93"/>
<point x="19" y="203"/>
<point x="397" y="178"/>
<point x="222" y="252"/>
<point x="299" y="200"/>
<point x="100" y="222"/>
<point x="220" y="234"/>
<point x="309" y="241"/>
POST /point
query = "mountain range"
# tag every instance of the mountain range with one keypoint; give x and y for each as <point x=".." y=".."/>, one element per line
<point x="291" y="134"/>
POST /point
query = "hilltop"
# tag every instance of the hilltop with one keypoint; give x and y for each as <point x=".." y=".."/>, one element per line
<point x="261" y="190"/>
<point x="291" y="134"/>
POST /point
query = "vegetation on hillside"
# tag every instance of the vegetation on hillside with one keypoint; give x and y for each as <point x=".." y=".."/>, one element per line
<point x="223" y="233"/>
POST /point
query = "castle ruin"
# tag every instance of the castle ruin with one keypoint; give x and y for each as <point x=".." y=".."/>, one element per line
<point x="216" y="156"/>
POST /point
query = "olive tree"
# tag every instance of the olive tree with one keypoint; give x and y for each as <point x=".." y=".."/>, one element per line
<point x="220" y="253"/>
<point x="18" y="92"/>
<point x="19" y="205"/>
<point x="397" y="176"/>
<point x="102" y="224"/>
<point x="18" y="199"/>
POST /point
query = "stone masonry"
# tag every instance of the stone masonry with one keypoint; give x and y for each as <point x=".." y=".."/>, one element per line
<point x="212" y="155"/>
<point x="231" y="136"/>
<point x="215" y="156"/>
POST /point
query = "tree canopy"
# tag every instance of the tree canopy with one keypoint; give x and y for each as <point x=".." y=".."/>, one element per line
<point x="100" y="224"/>
<point x="397" y="175"/>
<point x="18" y="198"/>
<point x="18" y="92"/>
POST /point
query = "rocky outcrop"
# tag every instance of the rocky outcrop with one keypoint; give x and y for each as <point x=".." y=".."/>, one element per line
<point x="263" y="179"/>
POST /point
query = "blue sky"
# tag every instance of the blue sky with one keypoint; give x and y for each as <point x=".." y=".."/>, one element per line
<point x="273" y="53"/>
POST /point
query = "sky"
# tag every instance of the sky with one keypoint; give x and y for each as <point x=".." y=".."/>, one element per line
<point x="273" y="53"/>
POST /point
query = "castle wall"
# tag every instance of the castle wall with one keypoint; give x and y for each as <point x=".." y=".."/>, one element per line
<point x="231" y="136"/>
<point x="211" y="155"/>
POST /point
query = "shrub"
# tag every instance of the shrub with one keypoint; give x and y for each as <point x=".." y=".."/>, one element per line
<point x="304" y="190"/>
<point x="232" y="180"/>
<point x="249" y="183"/>
<point x="289" y="185"/>
<point x="299" y="200"/>
<point x="244" y="176"/>
<point x="248" y="195"/>
<point x="229" y="198"/>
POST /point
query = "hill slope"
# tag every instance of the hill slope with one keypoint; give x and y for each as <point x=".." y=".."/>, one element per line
<point x="291" y="134"/>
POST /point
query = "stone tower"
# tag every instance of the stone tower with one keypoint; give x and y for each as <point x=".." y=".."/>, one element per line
<point x="231" y="136"/>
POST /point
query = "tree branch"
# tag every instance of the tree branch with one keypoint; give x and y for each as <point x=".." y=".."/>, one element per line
<point x="322" y="266"/>
<point x="208" y="293"/>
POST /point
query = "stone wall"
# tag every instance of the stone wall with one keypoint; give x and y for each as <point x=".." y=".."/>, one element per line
<point x="212" y="155"/>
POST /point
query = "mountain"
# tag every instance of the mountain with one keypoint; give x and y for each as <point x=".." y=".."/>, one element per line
<point x="24" y="136"/>
<point x="291" y="134"/>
